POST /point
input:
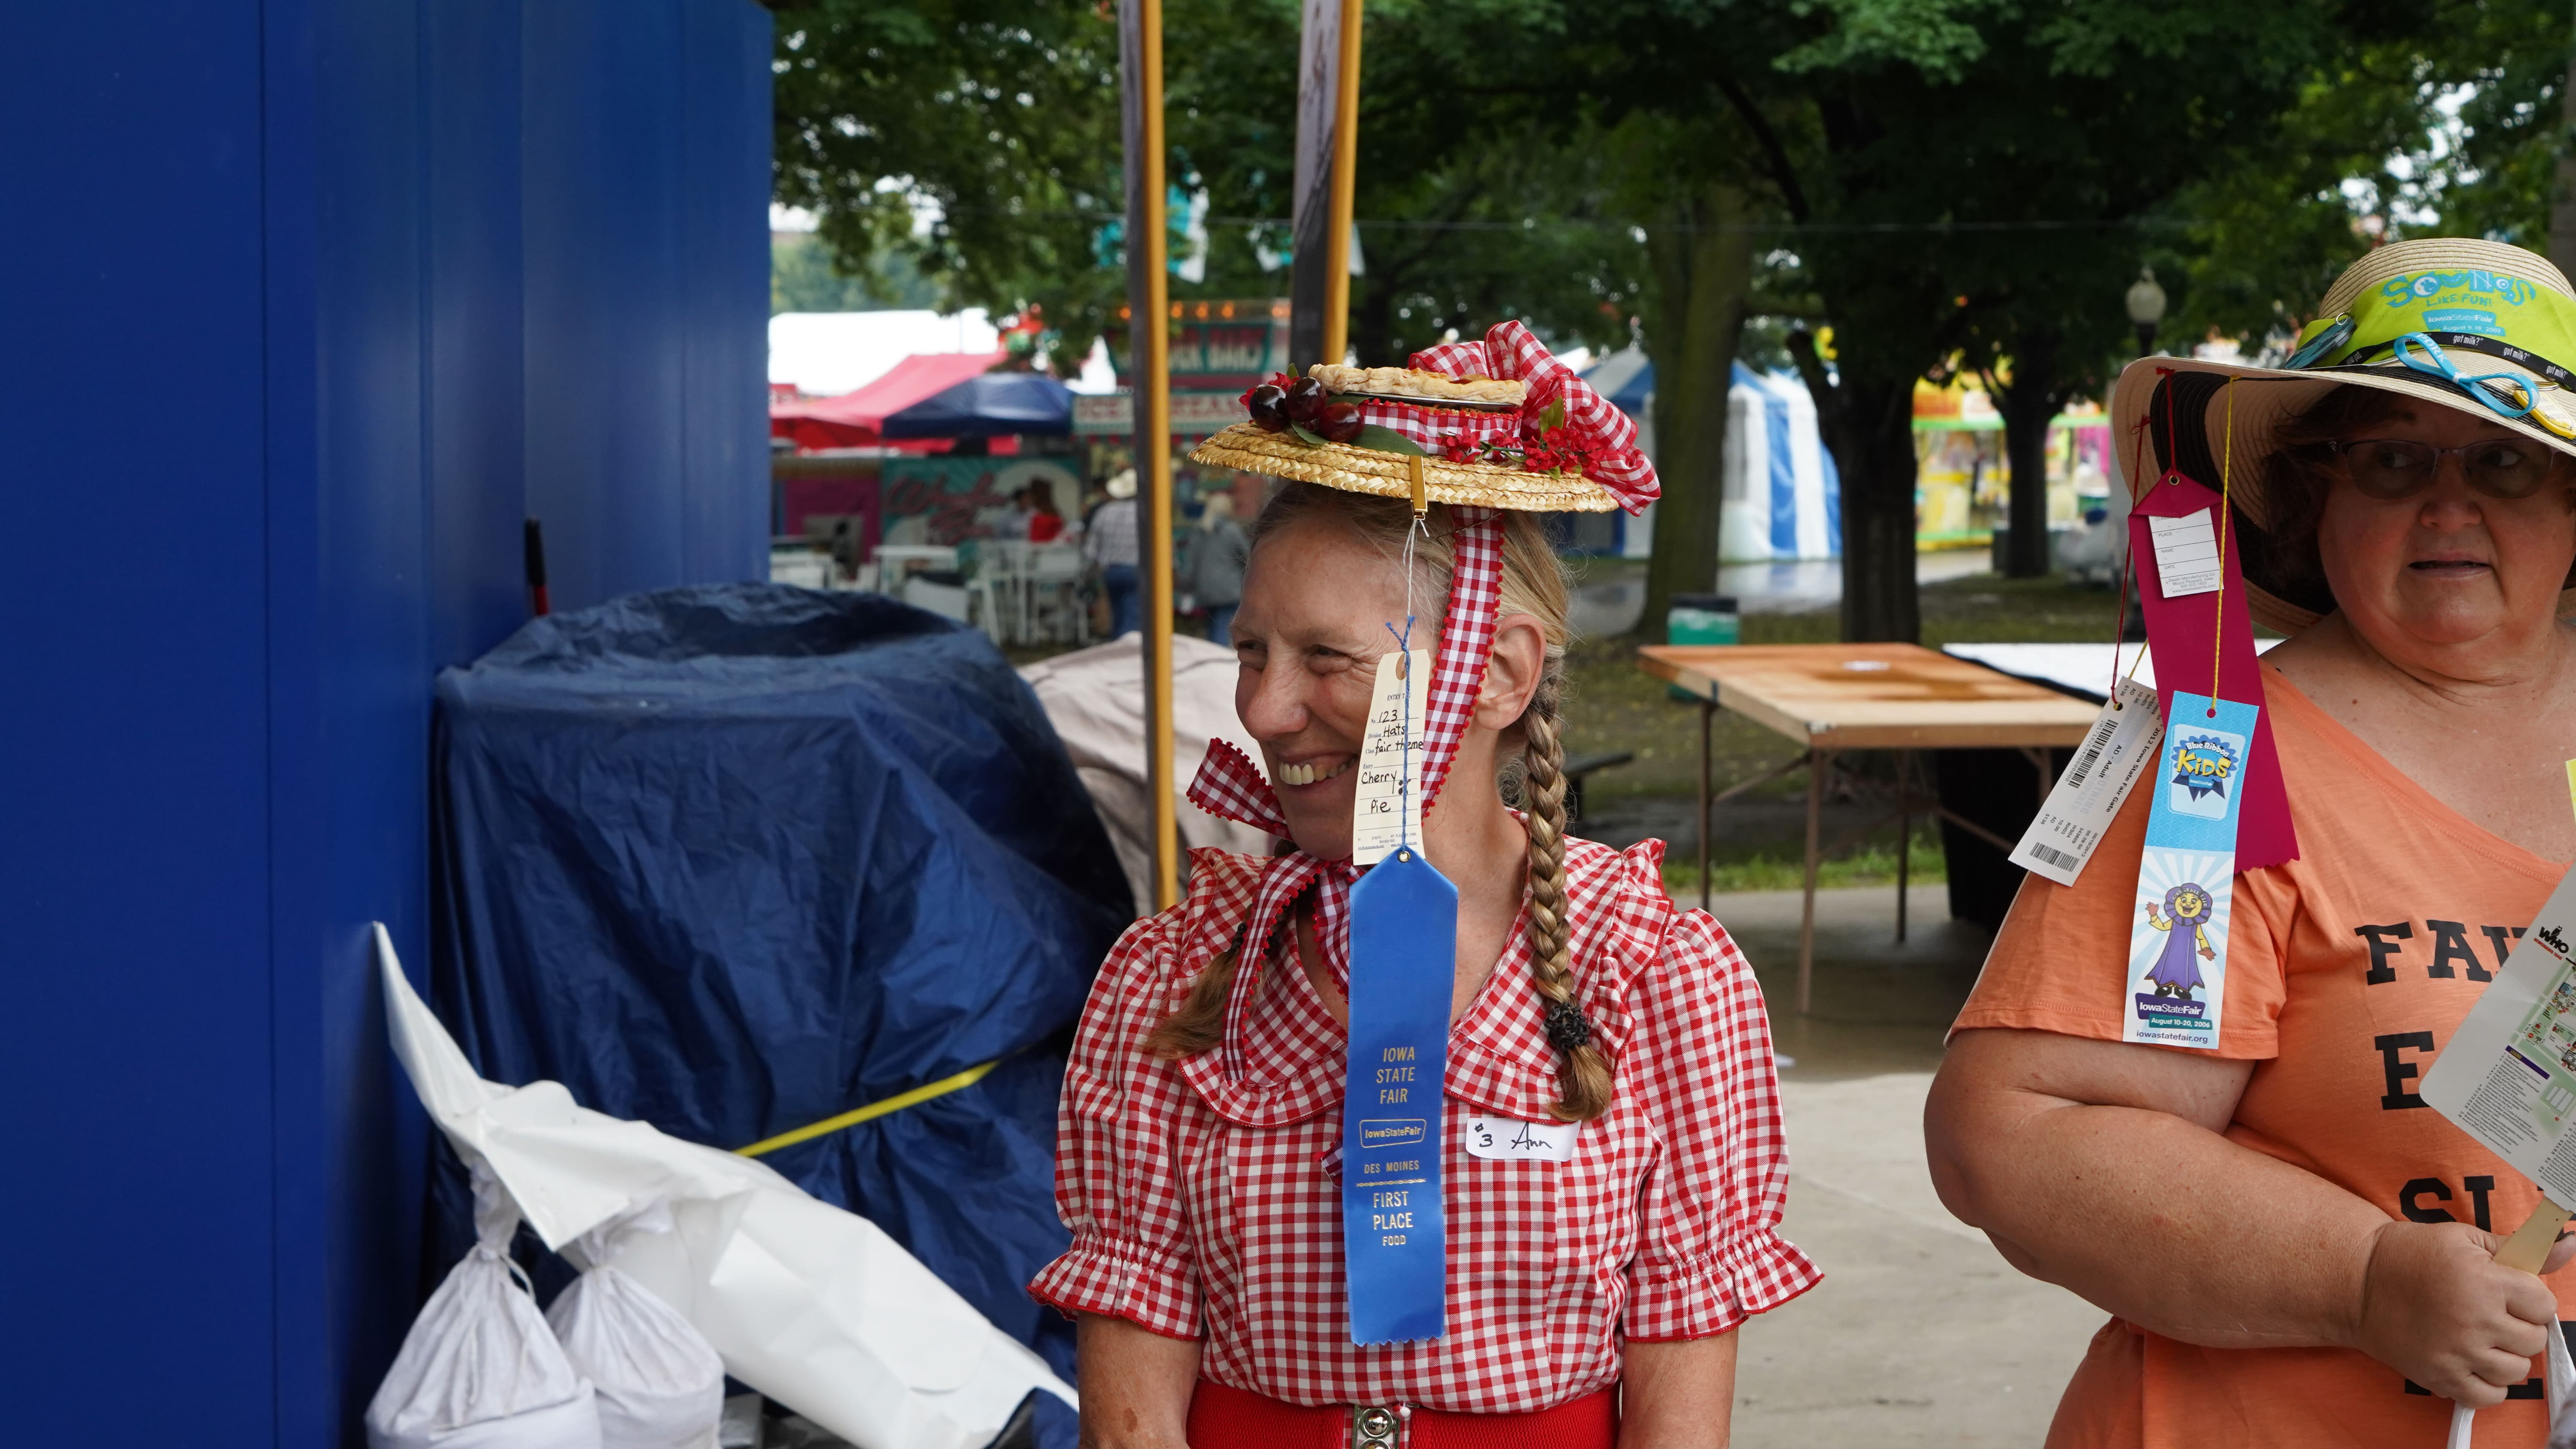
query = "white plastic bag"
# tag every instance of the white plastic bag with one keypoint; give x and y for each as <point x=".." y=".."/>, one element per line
<point x="813" y="1306"/>
<point x="480" y="1369"/>
<point x="661" y="1385"/>
<point x="2558" y="1381"/>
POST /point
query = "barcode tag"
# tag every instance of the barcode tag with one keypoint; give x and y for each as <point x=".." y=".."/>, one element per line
<point x="2115" y="752"/>
<point x="2186" y="553"/>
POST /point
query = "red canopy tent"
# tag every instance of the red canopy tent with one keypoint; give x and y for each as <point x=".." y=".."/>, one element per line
<point x="852" y="420"/>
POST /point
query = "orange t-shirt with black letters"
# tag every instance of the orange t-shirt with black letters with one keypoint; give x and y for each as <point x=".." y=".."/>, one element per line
<point x="2347" y="970"/>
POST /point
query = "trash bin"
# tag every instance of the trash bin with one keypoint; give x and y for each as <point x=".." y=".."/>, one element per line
<point x="1702" y="619"/>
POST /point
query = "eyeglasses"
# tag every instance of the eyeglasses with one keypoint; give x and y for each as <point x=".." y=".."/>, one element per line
<point x="2389" y="469"/>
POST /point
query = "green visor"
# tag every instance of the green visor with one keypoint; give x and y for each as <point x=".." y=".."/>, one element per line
<point x="2418" y="319"/>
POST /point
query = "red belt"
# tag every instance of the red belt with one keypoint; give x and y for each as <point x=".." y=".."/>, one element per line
<point x="1224" y="1418"/>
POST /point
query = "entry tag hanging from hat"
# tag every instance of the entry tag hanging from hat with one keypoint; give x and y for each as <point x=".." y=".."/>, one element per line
<point x="1386" y="808"/>
<point x="1404" y="948"/>
<point x="2177" y="985"/>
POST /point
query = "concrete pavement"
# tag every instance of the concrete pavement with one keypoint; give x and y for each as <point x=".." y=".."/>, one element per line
<point x="1921" y="1334"/>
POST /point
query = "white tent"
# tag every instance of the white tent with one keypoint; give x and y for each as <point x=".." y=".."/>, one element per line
<point x="826" y="354"/>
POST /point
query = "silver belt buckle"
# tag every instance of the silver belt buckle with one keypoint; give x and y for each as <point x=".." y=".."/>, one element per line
<point x="1375" y="1426"/>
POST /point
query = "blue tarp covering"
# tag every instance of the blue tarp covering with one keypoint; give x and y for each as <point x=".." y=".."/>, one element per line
<point x="733" y="860"/>
<point x="990" y="405"/>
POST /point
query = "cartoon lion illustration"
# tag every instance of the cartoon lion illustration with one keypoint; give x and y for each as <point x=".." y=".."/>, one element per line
<point x="2176" y="973"/>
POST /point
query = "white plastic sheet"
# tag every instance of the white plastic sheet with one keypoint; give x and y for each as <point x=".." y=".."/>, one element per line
<point x="813" y="1306"/>
<point x="480" y="1369"/>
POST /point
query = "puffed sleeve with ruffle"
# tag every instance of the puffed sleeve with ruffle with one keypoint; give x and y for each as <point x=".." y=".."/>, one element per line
<point x="1709" y="1251"/>
<point x="1117" y="1184"/>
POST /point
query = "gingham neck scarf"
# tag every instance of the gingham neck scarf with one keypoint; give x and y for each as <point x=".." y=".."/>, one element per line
<point x="1230" y="785"/>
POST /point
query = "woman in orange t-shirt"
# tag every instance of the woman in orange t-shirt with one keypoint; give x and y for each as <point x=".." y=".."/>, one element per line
<point x="2295" y="1247"/>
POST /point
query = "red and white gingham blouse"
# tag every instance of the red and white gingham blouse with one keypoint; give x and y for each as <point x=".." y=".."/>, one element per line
<point x="1203" y="1206"/>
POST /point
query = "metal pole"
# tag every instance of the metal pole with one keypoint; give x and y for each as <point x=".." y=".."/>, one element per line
<point x="1818" y="762"/>
<point x="1148" y="337"/>
<point x="1904" y="834"/>
<point x="1346" y="165"/>
<point x="1707" y="712"/>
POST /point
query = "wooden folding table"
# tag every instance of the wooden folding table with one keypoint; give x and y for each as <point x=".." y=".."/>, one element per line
<point x="1832" y="698"/>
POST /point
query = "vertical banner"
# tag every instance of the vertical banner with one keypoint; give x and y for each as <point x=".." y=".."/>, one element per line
<point x="1404" y="950"/>
<point x="1319" y="63"/>
<point x="2177" y="987"/>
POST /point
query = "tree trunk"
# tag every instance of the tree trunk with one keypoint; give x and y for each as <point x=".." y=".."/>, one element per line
<point x="1873" y="443"/>
<point x="1703" y="270"/>
<point x="2029" y="406"/>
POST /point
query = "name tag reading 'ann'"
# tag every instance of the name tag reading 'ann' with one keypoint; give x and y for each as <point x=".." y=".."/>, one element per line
<point x="1509" y="1139"/>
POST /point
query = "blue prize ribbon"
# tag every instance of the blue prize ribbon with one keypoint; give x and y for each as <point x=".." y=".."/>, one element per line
<point x="1404" y="948"/>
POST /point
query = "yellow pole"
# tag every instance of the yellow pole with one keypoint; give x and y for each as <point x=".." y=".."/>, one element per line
<point x="1346" y="165"/>
<point x="1154" y="463"/>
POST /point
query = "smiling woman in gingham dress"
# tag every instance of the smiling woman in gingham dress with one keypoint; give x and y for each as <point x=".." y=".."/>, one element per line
<point x="1199" y="1143"/>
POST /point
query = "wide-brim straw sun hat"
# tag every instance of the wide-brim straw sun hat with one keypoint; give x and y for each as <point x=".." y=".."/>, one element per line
<point x="2430" y="320"/>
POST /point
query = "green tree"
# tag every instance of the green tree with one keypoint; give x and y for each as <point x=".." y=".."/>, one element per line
<point x="1967" y="179"/>
<point x="976" y="138"/>
<point x="979" y="139"/>
<point x="804" y="276"/>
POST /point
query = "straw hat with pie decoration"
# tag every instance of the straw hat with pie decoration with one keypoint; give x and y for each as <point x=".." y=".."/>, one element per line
<point x="1493" y="424"/>
<point x="2481" y="327"/>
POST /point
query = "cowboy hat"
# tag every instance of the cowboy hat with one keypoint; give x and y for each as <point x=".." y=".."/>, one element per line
<point x="2478" y="326"/>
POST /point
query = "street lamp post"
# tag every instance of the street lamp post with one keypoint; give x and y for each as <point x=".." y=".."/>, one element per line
<point x="2146" y="308"/>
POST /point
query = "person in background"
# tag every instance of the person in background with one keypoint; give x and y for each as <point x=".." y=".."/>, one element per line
<point x="1213" y="571"/>
<point x="1109" y="545"/>
<point x="1045" y="524"/>
<point x="1016" y="518"/>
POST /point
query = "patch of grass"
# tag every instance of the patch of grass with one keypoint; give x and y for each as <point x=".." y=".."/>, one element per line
<point x="1870" y="865"/>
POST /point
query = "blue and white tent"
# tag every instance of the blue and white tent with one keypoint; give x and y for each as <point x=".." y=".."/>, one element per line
<point x="1783" y="498"/>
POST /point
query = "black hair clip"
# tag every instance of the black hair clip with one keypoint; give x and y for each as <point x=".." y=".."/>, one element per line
<point x="1567" y="1027"/>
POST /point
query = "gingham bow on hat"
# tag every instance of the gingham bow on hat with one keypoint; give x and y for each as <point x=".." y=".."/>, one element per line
<point x="1595" y="428"/>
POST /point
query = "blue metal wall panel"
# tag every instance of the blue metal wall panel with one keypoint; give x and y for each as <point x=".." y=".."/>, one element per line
<point x="725" y="391"/>
<point x="477" y="438"/>
<point x="309" y="279"/>
<point x="134" y="1011"/>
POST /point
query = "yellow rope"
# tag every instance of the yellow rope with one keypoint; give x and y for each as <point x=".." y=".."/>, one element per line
<point x="871" y="1111"/>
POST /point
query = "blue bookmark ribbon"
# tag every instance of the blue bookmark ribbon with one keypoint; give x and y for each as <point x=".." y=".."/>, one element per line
<point x="2177" y="989"/>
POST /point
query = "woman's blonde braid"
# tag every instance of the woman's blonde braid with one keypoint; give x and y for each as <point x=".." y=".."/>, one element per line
<point x="1583" y="1072"/>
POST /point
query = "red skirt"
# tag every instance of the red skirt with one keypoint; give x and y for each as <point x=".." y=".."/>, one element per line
<point x="1224" y="1418"/>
